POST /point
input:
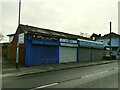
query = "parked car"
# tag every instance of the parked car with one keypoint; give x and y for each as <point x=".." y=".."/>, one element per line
<point x="118" y="54"/>
<point x="106" y="54"/>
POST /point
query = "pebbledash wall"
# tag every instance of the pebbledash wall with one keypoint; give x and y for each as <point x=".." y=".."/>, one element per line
<point x="41" y="47"/>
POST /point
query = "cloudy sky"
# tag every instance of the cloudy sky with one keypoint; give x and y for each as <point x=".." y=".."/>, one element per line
<point x="71" y="16"/>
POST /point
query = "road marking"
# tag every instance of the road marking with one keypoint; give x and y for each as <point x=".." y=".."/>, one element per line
<point x="94" y="74"/>
<point x="102" y="72"/>
<point x="81" y="77"/>
<point x="5" y="75"/>
<point x="44" y="86"/>
<point x="116" y="68"/>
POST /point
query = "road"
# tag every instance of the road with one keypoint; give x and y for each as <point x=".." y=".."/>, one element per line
<point x="98" y="76"/>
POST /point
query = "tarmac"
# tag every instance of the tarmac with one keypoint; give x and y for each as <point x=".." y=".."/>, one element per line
<point x="24" y="71"/>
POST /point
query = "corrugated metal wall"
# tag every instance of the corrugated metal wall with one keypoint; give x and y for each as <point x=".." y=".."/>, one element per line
<point x="68" y="54"/>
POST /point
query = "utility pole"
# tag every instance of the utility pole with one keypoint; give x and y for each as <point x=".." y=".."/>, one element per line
<point x="110" y="39"/>
<point x="17" y="52"/>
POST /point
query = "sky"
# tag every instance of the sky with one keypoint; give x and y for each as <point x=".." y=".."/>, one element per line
<point x="70" y="16"/>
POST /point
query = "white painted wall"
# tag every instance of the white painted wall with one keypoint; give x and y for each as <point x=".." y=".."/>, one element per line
<point x="10" y="38"/>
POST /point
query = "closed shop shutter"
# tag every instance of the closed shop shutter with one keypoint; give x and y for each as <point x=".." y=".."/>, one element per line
<point x="84" y="54"/>
<point x="68" y="54"/>
<point x="50" y="54"/>
<point x="93" y="54"/>
<point x="44" y="54"/>
<point x="99" y="54"/>
<point x="36" y="55"/>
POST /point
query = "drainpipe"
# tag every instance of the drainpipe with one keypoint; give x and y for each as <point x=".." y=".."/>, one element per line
<point x="110" y="40"/>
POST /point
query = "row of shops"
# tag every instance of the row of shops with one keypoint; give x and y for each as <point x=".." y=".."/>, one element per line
<point x="61" y="51"/>
<point x="39" y="46"/>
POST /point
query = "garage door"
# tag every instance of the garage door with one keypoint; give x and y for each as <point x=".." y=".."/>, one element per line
<point x="68" y="54"/>
<point x="84" y="54"/>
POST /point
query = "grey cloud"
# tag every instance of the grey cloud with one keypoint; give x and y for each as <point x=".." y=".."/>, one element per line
<point x="72" y="16"/>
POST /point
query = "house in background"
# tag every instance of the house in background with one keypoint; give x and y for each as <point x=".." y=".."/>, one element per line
<point x="11" y="36"/>
<point x="115" y="42"/>
<point x="95" y="36"/>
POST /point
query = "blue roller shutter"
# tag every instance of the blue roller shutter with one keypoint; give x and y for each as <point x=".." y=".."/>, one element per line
<point x="44" y="54"/>
<point x="36" y="55"/>
<point x="50" y="54"/>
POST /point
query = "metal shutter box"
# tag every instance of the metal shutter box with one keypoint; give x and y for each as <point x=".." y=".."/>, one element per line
<point x="67" y="54"/>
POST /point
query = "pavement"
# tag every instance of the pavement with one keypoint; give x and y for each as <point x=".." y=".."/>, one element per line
<point x="23" y="71"/>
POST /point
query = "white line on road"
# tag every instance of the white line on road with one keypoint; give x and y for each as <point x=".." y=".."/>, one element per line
<point x="44" y="86"/>
<point x="5" y="75"/>
<point x="81" y="77"/>
<point x="94" y="74"/>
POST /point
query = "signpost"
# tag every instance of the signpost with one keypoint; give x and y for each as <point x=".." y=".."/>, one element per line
<point x="21" y="38"/>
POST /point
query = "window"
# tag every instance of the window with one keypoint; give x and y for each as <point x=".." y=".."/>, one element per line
<point x="93" y="38"/>
<point x="101" y="41"/>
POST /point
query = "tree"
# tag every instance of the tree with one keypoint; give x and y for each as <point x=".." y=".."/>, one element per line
<point x="84" y="34"/>
<point x="1" y="37"/>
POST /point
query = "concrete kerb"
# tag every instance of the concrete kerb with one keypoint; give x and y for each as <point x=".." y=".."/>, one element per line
<point x="9" y="70"/>
<point x="85" y="65"/>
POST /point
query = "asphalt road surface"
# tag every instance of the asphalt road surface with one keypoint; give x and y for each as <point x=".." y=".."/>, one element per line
<point x="98" y="76"/>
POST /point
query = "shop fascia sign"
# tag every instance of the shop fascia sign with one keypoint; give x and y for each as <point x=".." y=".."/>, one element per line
<point x="69" y="44"/>
<point x="67" y="40"/>
<point x="42" y="37"/>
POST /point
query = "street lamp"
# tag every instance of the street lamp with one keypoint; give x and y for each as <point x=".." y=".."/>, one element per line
<point x="110" y="39"/>
<point x="17" y="52"/>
